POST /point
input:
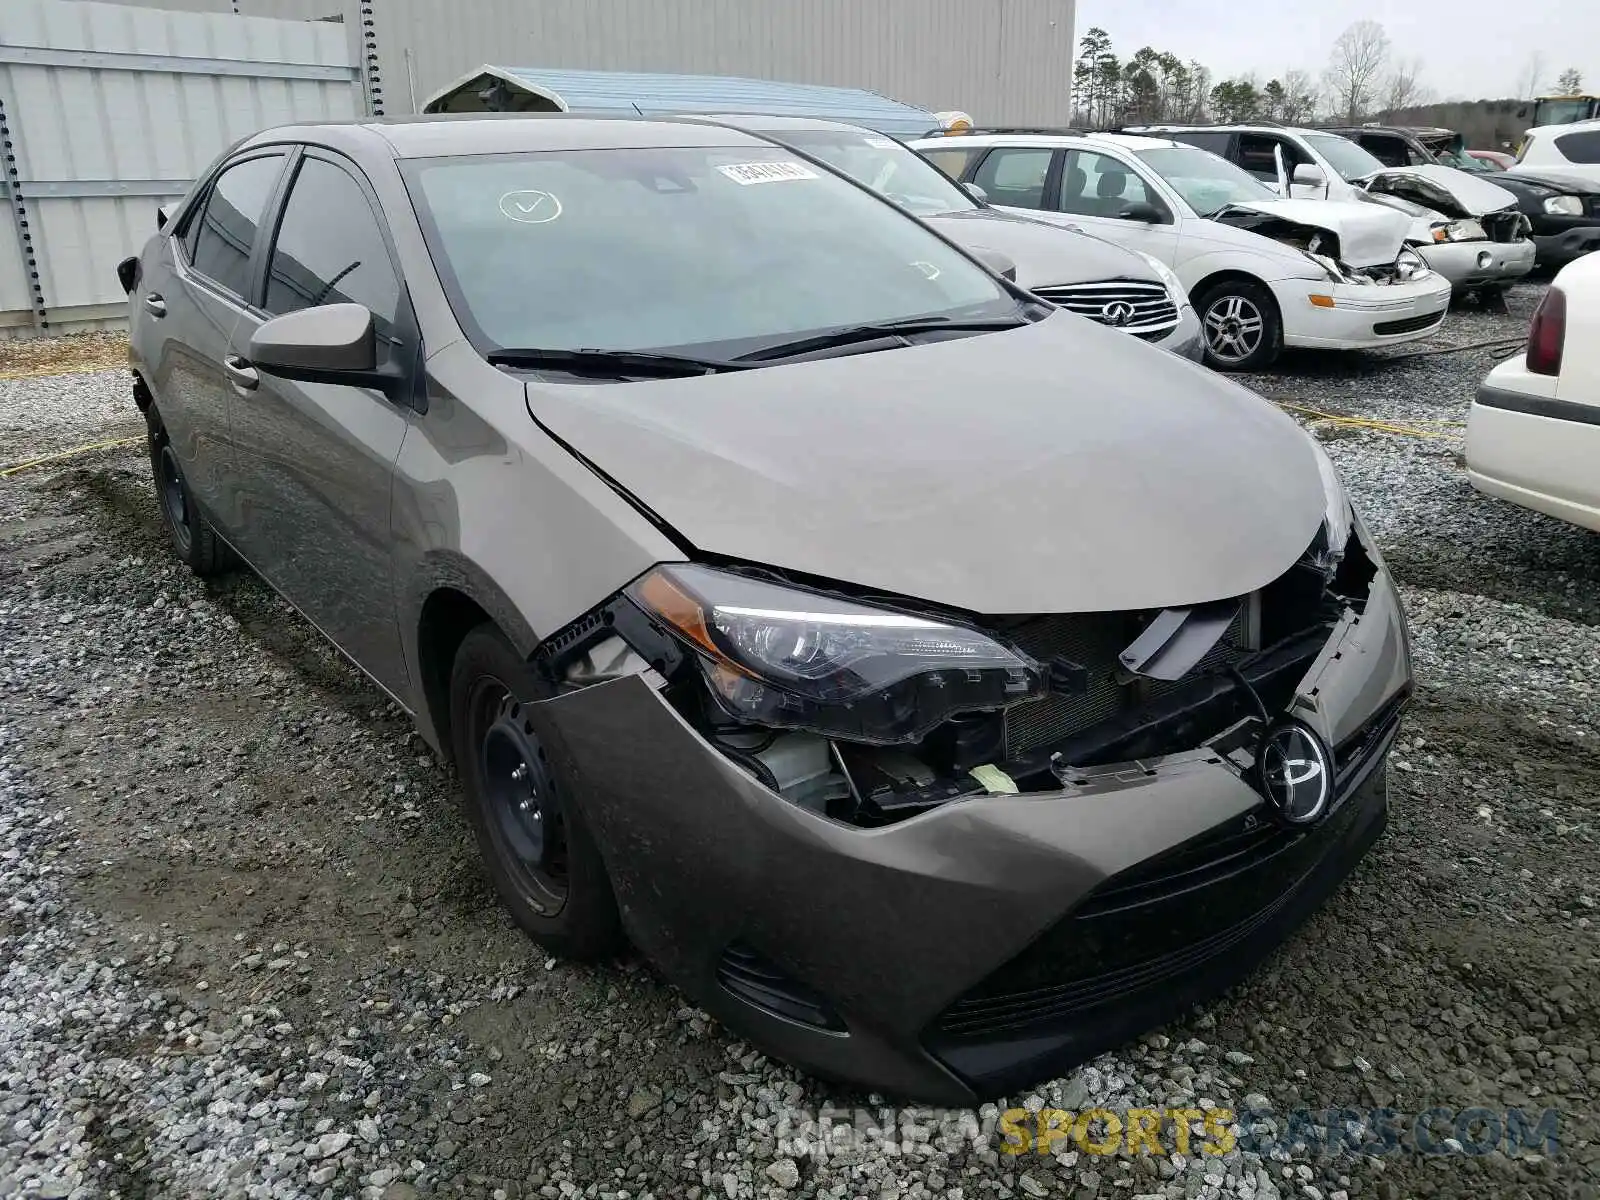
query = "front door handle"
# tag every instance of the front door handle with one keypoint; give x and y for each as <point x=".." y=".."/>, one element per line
<point x="155" y="305"/>
<point x="241" y="374"/>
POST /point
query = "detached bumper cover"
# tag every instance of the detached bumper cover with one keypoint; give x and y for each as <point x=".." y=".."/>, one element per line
<point x="882" y="947"/>
<point x="1472" y="264"/>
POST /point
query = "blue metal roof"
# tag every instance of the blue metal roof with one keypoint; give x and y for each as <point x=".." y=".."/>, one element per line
<point x="650" y="94"/>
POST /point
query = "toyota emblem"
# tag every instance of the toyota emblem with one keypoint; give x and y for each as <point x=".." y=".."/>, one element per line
<point x="1296" y="773"/>
<point x="1118" y="313"/>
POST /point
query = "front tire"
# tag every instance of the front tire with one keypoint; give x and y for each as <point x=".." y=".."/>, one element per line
<point x="1241" y="325"/>
<point x="189" y="534"/>
<point x="530" y="830"/>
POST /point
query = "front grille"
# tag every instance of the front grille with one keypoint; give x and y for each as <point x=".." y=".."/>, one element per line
<point x="1093" y="641"/>
<point x="1143" y="309"/>
<point x="1409" y="324"/>
<point x="758" y="981"/>
<point x="1140" y="931"/>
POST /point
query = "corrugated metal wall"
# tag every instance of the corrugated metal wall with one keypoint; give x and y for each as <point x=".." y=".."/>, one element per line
<point x="1001" y="60"/>
<point x="1004" y="61"/>
<point x="111" y="110"/>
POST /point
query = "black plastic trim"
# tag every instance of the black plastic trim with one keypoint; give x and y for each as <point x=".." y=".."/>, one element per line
<point x="1538" y="406"/>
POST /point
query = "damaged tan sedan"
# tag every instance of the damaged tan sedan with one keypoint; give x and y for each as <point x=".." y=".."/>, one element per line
<point x="935" y="685"/>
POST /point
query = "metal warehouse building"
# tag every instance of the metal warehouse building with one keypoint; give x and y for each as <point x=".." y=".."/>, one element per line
<point x="1003" y="61"/>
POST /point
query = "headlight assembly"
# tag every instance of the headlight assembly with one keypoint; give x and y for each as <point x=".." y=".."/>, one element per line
<point x="1564" y="206"/>
<point x="1174" y="285"/>
<point x="1408" y="265"/>
<point x="784" y="657"/>
<point x="1459" y="231"/>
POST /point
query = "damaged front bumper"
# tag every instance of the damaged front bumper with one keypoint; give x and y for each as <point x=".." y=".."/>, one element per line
<point x="996" y="939"/>
<point x="1348" y="316"/>
<point x="1480" y="263"/>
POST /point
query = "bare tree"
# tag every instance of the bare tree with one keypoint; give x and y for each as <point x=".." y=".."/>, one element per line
<point x="1300" y="97"/>
<point x="1570" y="82"/>
<point x="1357" y="63"/>
<point x="1531" y="81"/>
<point x="1402" y="87"/>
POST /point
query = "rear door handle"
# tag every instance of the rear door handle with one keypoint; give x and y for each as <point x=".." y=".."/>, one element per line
<point x="241" y="374"/>
<point x="155" y="305"/>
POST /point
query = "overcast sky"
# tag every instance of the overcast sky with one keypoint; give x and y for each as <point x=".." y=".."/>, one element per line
<point x="1471" y="49"/>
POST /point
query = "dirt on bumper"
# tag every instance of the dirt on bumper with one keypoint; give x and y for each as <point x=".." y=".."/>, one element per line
<point x="881" y="931"/>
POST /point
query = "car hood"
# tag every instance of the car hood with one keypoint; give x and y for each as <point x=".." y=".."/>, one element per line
<point x="1057" y="467"/>
<point x="1370" y="235"/>
<point x="1443" y="190"/>
<point x="1046" y="255"/>
<point x="1540" y="177"/>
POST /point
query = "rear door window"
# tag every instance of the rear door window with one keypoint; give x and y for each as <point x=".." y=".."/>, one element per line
<point x="1216" y="143"/>
<point x="222" y="233"/>
<point x="1015" y="175"/>
<point x="1580" y="147"/>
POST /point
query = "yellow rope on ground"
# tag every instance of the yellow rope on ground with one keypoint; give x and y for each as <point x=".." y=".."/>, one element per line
<point x="50" y="458"/>
<point x="1360" y="422"/>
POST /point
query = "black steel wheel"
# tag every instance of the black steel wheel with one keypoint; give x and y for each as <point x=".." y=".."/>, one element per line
<point x="529" y="823"/>
<point x="188" y="532"/>
<point x="520" y="794"/>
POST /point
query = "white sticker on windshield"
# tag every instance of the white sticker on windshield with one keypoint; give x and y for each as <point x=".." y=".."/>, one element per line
<point x="745" y="174"/>
<point x="530" y="207"/>
<point x="882" y="143"/>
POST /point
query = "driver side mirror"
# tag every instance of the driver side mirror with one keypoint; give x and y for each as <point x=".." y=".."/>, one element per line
<point x="332" y="343"/>
<point x="1309" y="175"/>
<point x="1140" y="210"/>
<point x="976" y="192"/>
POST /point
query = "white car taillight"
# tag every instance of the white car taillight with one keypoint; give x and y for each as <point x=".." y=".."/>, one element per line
<point x="1547" y="333"/>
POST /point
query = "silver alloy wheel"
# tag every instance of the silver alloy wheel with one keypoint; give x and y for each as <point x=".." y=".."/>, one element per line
<point x="1234" y="328"/>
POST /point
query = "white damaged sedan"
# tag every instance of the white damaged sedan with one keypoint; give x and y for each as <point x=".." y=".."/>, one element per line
<point x="1263" y="272"/>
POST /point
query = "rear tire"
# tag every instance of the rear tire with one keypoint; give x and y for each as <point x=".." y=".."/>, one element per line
<point x="1241" y="325"/>
<point x="189" y="534"/>
<point x="530" y="829"/>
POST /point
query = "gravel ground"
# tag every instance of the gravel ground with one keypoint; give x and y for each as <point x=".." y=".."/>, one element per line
<point x="247" y="952"/>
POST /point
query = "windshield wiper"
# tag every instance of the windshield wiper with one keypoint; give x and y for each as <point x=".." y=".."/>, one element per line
<point x="851" y="334"/>
<point x="612" y="362"/>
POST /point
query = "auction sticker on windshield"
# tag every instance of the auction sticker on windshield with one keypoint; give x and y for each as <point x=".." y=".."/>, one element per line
<point x="767" y="172"/>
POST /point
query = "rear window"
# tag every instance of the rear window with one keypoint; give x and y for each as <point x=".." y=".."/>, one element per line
<point x="1580" y="147"/>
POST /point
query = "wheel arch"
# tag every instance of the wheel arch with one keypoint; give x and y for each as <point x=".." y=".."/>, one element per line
<point x="451" y="596"/>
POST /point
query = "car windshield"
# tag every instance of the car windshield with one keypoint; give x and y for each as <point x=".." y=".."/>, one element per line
<point x="885" y="166"/>
<point x="1206" y="183"/>
<point x="1347" y="158"/>
<point x="1461" y="161"/>
<point x="720" y="249"/>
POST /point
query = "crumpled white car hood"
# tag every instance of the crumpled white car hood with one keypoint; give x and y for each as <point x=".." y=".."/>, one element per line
<point x="1370" y="235"/>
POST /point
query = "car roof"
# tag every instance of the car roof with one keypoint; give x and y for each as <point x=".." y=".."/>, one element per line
<point x="1238" y="127"/>
<point x="772" y="122"/>
<point x="447" y="135"/>
<point x="1591" y="124"/>
<point x="1127" y="141"/>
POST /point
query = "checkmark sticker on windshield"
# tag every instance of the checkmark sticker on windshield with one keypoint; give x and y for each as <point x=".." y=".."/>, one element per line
<point x="530" y="207"/>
